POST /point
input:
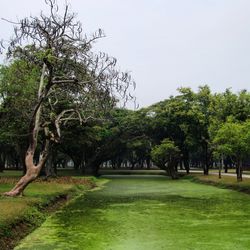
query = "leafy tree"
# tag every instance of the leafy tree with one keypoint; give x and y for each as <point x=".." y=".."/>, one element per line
<point x="233" y="140"/>
<point x="75" y="83"/>
<point x="166" y="156"/>
<point x="185" y="119"/>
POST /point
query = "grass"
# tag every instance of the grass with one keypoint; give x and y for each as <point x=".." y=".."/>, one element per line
<point x="144" y="213"/>
<point x="11" y="173"/>
<point x="224" y="182"/>
<point x="132" y="172"/>
<point x="60" y="172"/>
<point x="230" y="171"/>
<point x="28" y="211"/>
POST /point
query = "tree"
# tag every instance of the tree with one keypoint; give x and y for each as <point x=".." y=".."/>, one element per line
<point x="75" y="83"/>
<point x="166" y="156"/>
<point x="233" y="140"/>
<point x="138" y="151"/>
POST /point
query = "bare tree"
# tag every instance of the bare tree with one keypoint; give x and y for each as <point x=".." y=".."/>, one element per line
<point x="75" y="83"/>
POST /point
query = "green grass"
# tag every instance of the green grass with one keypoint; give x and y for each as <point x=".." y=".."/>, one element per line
<point x="37" y="193"/>
<point x="60" y="172"/>
<point x="224" y="182"/>
<point x="11" y="173"/>
<point x="230" y="171"/>
<point x="131" y="172"/>
<point x="27" y="211"/>
<point x="145" y="213"/>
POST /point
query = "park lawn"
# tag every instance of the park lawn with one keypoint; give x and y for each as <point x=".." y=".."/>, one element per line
<point x="29" y="211"/>
<point x="145" y="213"/>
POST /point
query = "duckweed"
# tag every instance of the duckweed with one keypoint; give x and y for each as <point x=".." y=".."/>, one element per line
<point x="148" y="213"/>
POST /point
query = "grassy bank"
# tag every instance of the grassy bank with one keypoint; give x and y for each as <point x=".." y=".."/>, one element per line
<point x="21" y="215"/>
<point x="225" y="182"/>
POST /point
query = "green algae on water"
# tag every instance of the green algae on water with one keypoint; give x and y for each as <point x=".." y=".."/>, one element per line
<point x="145" y="213"/>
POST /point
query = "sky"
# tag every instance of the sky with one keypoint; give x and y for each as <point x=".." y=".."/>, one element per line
<point x="165" y="44"/>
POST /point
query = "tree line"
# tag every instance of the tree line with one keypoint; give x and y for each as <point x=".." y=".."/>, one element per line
<point x="190" y="130"/>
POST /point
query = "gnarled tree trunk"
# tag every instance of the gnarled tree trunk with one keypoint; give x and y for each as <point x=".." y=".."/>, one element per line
<point x="32" y="172"/>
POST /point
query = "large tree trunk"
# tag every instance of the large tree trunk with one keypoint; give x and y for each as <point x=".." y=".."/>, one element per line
<point x="32" y="172"/>
<point x="170" y="169"/>
<point x="205" y="168"/>
<point x="50" y="167"/>
<point x="172" y="173"/>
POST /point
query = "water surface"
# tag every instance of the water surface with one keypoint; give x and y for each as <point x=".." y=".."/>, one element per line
<point x="148" y="213"/>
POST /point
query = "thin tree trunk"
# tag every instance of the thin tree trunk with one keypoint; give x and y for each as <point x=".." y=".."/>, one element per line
<point x="206" y="161"/>
<point x="219" y="171"/>
<point x="225" y="167"/>
<point x="221" y="163"/>
<point x="239" y="170"/>
<point x="132" y="165"/>
<point x="186" y="165"/>
<point x="148" y="161"/>
<point x="2" y="161"/>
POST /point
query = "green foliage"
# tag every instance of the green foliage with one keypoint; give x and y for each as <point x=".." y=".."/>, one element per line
<point x="233" y="139"/>
<point x="165" y="153"/>
<point x="191" y="120"/>
<point x="18" y="87"/>
<point x="29" y="211"/>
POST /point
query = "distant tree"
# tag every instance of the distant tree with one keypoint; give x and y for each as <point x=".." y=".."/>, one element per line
<point x="138" y="151"/>
<point x="233" y="140"/>
<point x="166" y="156"/>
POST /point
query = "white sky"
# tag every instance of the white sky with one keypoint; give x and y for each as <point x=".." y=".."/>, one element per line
<point x="164" y="43"/>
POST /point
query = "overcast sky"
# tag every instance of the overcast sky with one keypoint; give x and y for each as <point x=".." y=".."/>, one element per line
<point x="164" y="43"/>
